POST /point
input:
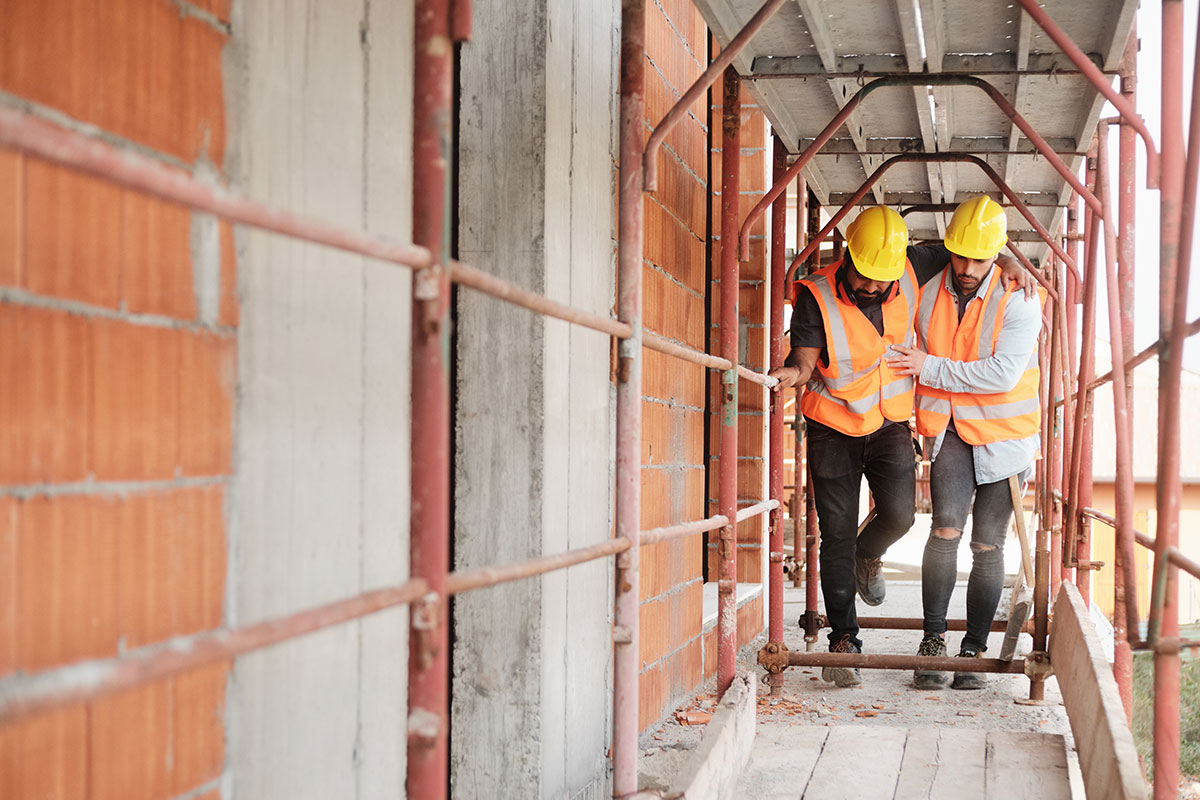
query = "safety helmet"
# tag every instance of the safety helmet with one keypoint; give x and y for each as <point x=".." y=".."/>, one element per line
<point x="978" y="229"/>
<point x="877" y="240"/>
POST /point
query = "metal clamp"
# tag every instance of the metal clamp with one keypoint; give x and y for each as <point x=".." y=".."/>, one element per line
<point x="1038" y="666"/>
<point x="424" y="621"/>
<point x="773" y="656"/>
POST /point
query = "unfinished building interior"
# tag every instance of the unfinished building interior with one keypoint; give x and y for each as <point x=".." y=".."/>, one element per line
<point x="385" y="410"/>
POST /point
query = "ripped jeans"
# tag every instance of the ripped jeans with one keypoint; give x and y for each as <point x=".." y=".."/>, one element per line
<point x="952" y="486"/>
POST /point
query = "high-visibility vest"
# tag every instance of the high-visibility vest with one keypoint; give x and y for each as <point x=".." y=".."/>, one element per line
<point x="978" y="418"/>
<point x="857" y="390"/>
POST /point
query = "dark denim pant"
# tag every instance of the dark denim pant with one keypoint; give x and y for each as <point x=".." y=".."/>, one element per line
<point x="839" y="462"/>
<point x="952" y="487"/>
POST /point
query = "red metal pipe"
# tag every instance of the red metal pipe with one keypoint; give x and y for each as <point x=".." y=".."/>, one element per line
<point x="26" y="695"/>
<point x="731" y="113"/>
<point x="1122" y="420"/>
<point x="1177" y="557"/>
<point x="812" y="542"/>
<point x="923" y="79"/>
<point x="762" y="379"/>
<point x="749" y="512"/>
<point x="1101" y="82"/>
<point x="626" y="655"/>
<point x="775" y="419"/>
<point x="429" y="637"/>
<point x="930" y="158"/>
<point x="1176" y="215"/>
<point x="918" y="624"/>
<point x="652" y="341"/>
<point x="656" y="535"/>
<point x="798" y="445"/>
<point x="50" y="142"/>
<point x="700" y="87"/>
<point x="892" y="661"/>
<point x="458" y="582"/>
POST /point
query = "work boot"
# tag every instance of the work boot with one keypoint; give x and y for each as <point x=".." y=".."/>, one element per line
<point x="968" y="680"/>
<point x="931" y="645"/>
<point x="843" y="677"/>
<point x="868" y="579"/>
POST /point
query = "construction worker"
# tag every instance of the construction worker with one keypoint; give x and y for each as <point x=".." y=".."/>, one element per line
<point x="857" y="408"/>
<point x="977" y="397"/>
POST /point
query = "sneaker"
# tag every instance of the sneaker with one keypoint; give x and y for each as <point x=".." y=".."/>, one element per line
<point x="968" y="680"/>
<point x="868" y="578"/>
<point x="931" y="645"/>
<point x="843" y="677"/>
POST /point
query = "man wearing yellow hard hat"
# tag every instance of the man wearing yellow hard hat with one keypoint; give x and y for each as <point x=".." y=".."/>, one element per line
<point x="857" y="408"/>
<point x="977" y="366"/>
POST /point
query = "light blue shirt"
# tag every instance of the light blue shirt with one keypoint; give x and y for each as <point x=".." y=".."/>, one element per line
<point x="1015" y="346"/>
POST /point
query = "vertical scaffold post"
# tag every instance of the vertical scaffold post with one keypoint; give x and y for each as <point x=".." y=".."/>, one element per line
<point x="731" y="122"/>
<point x="799" y="489"/>
<point x="1123" y="592"/>
<point x="428" y="643"/>
<point x="775" y="420"/>
<point x="812" y="537"/>
<point x="626" y="658"/>
<point x="1164" y="604"/>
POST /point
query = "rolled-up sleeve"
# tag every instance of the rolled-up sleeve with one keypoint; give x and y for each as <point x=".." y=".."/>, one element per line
<point x="1000" y="371"/>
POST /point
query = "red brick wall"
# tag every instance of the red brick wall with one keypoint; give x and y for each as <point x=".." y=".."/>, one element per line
<point x="115" y="401"/>
<point x="676" y="655"/>
<point x="674" y="278"/>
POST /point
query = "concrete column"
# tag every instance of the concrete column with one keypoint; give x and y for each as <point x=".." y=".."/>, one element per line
<point x="320" y="110"/>
<point x="532" y="674"/>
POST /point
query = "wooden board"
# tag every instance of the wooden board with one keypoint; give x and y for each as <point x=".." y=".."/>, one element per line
<point x="782" y="762"/>
<point x="858" y="762"/>
<point x="1027" y="765"/>
<point x="1107" y="756"/>
<point x="943" y="764"/>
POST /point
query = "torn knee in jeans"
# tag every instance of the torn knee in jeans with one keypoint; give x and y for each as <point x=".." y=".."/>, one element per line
<point x="946" y="533"/>
<point x="982" y="548"/>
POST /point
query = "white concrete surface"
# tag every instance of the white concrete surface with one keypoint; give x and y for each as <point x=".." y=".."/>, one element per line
<point x="534" y="407"/>
<point x="319" y="100"/>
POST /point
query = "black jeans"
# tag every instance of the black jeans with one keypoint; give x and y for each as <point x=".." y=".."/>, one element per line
<point x="952" y="486"/>
<point x="839" y="462"/>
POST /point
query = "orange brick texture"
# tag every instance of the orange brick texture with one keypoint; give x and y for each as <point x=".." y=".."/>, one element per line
<point x="117" y="382"/>
<point x="675" y="280"/>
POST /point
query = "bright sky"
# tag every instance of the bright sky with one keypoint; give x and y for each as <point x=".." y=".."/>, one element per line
<point x="1149" y="89"/>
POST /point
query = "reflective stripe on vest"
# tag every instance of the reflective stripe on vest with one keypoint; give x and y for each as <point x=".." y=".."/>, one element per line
<point x="978" y="418"/>
<point x="856" y="391"/>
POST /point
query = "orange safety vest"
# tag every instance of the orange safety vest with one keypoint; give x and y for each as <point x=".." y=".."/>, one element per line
<point x="857" y="390"/>
<point x="978" y="418"/>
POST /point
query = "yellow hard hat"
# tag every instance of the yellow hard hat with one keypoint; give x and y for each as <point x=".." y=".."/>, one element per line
<point x="978" y="229"/>
<point x="877" y="240"/>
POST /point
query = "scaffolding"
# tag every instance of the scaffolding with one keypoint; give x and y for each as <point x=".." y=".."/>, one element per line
<point x="1063" y="492"/>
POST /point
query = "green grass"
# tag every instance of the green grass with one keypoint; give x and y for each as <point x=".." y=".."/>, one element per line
<point x="1189" y="713"/>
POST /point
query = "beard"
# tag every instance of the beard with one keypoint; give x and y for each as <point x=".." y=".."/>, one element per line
<point x="867" y="297"/>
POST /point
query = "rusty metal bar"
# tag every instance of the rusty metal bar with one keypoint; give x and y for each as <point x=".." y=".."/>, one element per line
<point x="775" y="354"/>
<point x="1101" y="82"/>
<point x="462" y="581"/>
<point x="890" y="661"/>
<point x="1124" y="589"/>
<point x="626" y="657"/>
<point x="25" y="695"/>
<point x="731" y="123"/>
<point x="749" y="512"/>
<point x="1141" y="538"/>
<point x="89" y="155"/>
<point x="922" y="79"/>
<point x="927" y="158"/>
<point x="429" y="545"/>
<point x="698" y="89"/>
<point x="656" y="535"/>
<point x="1176" y="198"/>
<point x="652" y="341"/>
<point x="762" y="379"/>
<point x="1123" y="487"/>
<point x="1177" y="557"/>
<point x="918" y="624"/>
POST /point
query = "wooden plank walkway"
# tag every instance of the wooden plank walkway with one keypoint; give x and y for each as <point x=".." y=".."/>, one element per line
<point x="816" y="762"/>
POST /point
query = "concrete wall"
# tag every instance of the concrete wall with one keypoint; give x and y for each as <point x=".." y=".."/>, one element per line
<point x="319" y="99"/>
<point x="532" y="676"/>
